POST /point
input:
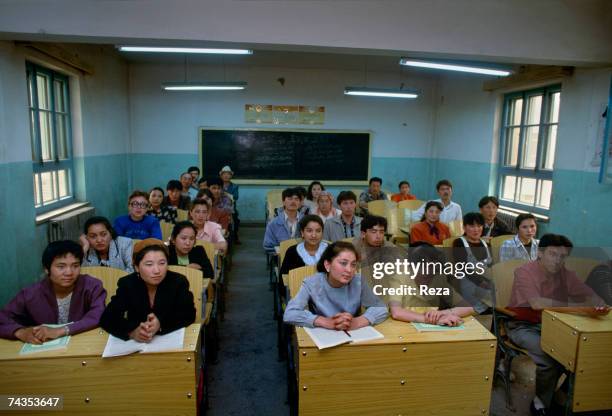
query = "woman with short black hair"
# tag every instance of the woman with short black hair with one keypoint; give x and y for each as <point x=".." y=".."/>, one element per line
<point x="524" y="245"/>
<point x="64" y="297"/>
<point x="184" y="252"/>
<point x="152" y="300"/>
<point x="493" y="227"/>
<point x="103" y="247"/>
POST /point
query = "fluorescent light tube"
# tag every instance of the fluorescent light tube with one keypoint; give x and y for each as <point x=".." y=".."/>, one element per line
<point x="204" y="86"/>
<point x="164" y="49"/>
<point x="377" y="92"/>
<point x="454" y="67"/>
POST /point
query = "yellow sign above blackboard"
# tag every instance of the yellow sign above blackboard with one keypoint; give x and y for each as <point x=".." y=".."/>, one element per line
<point x="284" y="114"/>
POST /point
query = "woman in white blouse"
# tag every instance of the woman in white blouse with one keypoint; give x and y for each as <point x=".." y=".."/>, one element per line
<point x="309" y="251"/>
<point x="312" y="195"/>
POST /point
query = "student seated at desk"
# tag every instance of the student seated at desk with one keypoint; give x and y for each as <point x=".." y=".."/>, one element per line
<point x="103" y="247"/>
<point x="373" y="193"/>
<point x="150" y="301"/>
<point x="546" y="284"/>
<point x="186" y="190"/>
<point x="325" y="207"/>
<point x="159" y="209"/>
<point x="336" y="294"/>
<point x="215" y="214"/>
<point x="194" y="171"/>
<point x="493" y="227"/>
<point x="309" y="251"/>
<point x="226" y="174"/>
<point x="303" y="207"/>
<point x="137" y="224"/>
<point x="451" y="211"/>
<point x="472" y="249"/>
<point x="207" y="230"/>
<point x="347" y="225"/>
<point x="285" y="225"/>
<point x="220" y="198"/>
<point x="63" y="297"/>
<point x="404" y="193"/>
<point x="184" y="252"/>
<point x="312" y="195"/>
<point x="175" y="197"/>
<point x="524" y="245"/>
<point x="412" y="308"/>
<point x="430" y="229"/>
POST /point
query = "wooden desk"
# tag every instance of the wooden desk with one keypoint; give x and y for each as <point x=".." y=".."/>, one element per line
<point x="584" y="346"/>
<point x="408" y="372"/>
<point x="161" y="383"/>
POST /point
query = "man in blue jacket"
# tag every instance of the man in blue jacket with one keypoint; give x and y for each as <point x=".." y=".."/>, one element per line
<point x="285" y="225"/>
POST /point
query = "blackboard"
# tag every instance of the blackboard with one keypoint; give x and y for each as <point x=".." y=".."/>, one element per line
<point x="280" y="156"/>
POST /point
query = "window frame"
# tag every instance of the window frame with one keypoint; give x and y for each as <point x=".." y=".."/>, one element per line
<point x="40" y="166"/>
<point x="538" y="173"/>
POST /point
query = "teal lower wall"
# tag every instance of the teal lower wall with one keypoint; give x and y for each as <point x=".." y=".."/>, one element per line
<point x="581" y="208"/>
<point x="106" y="183"/>
<point x="392" y="170"/>
<point x="100" y="180"/>
<point x="22" y="241"/>
<point x="471" y="181"/>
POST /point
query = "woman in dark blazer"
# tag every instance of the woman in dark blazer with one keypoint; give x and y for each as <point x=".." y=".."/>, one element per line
<point x="184" y="252"/>
<point x="151" y="300"/>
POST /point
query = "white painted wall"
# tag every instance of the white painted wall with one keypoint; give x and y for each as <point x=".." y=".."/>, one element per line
<point x="105" y="102"/>
<point x="167" y="122"/>
<point x="14" y="127"/>
<point x="100" y="109"/>
<point x="465" y="127"/>
<point x="465" y="120"/>
<point x="583" y="99"/>
<point x="518" y="30"/>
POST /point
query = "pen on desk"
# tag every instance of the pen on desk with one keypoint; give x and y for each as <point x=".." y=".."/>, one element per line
<point x="346" y="332"/>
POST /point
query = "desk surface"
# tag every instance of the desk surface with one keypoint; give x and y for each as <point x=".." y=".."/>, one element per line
<point x="583" y="323"/>
<point x="397" y="332"/>
<point x="86" y="344"/>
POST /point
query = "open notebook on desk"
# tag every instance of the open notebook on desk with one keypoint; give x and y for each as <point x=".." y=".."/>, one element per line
<point x="327" y="338"/>
<point x="421" y="327"/>
<point x="54" y="344"/>
<point x="116" y="346"/>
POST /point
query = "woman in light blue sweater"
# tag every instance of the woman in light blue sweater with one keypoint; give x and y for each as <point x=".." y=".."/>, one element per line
<point x="335" y="295"/>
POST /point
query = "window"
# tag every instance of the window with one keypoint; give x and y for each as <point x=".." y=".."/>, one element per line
<point x="529" y="137"/>
<point x="49" y="107"/>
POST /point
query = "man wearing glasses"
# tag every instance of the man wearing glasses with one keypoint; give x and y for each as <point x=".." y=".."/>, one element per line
<point x="137" y="224"/>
